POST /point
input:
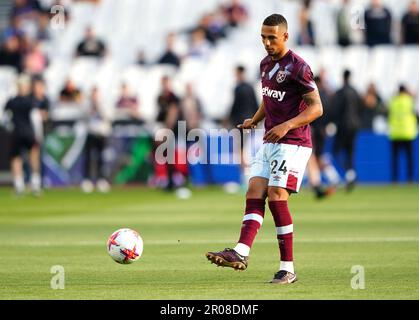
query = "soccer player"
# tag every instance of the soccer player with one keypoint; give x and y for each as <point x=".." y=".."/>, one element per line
<point x="290" y="102"/>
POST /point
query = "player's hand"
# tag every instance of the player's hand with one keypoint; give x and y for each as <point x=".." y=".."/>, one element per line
<point x="247" y="124"/>
<point x="276" y="133"/>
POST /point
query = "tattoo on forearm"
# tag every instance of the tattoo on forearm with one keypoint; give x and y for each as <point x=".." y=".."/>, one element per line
<point x="311" y="98"/>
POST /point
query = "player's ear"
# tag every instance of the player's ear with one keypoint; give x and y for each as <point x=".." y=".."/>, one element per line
<point x="286" y="36"/>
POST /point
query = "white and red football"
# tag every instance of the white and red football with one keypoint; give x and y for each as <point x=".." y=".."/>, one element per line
<point x="125" y="246"/>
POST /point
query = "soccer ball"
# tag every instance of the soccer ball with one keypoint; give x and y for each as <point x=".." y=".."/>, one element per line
<point x="125" y="246"/>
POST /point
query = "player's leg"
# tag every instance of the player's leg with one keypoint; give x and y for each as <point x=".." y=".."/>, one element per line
<point x="410" y="160"/>
<point x="350" y="174"/>
<point x="253" y="215"/>
<point x="101" y="183"/>
<point x="278" y="204"/>
<point x="237" y="258"/>
<point x="289" y="163"/>
<point x="34" y="161"/>
<point x="314" y="177"/>
<point x="16" y="164"/>
<point x="87" y="185"/>
<point x="17" y="173"/>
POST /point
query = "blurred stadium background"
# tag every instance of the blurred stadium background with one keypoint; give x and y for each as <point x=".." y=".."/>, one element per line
<point x="135" y="35"/>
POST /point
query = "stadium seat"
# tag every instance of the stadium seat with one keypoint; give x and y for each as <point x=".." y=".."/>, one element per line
<point x="383" y="68"/>
<point x="356" y="59"/>
<point x="8" y="77"/>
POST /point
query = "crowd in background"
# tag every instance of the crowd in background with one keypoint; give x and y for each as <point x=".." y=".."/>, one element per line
<point x="348" y="109"/>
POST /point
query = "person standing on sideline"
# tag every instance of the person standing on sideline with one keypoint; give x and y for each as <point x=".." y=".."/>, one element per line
<point x="403" y="130"/>
<point x="99" y="129"/>
<point x="244" y="107"/>
<point x="19" y="110"/>
<point x="346" y="107"/>
<point x="290" y="102"/>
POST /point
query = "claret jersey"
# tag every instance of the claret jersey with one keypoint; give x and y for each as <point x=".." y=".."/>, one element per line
<point x="284" y="82"/>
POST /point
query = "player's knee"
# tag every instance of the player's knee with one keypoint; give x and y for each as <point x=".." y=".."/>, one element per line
<point x="277" y="194"/>
<point x="256" y="192"/>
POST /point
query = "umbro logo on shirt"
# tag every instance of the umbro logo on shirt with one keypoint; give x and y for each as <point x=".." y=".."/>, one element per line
<point x="266" y="91"/>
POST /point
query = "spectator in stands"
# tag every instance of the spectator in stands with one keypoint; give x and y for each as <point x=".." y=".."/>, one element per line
<point x="35" y="60"/>
<point x="14" y="28"/>
<point x="236" y="13"/>
<point x="70" y="93"/>
<point x="410" y="24"/>
<point x="403" y="130"/>
<point x="27" y="11"/>
<point x="378" y="22"/>
<point x="10" y="54"/>
<point x="44" y="32"/>
<point x="213" y="29"/>
<point x="191" y="108"/>
<point x="141" y="58"/>
<point x="373" y="106"/>
<point x="23" y="137"/>
<point x="91" y="46"/>
<point x="127" y="106"/>
<point x="99" y="129"/>
<point x="343" y="20"/>
<point x="346" y="107"/>
<point x="306" y="33"/>
<point x="199" y="45"/>
<point x="170" y="56"/>
<point x="24" y="9"/>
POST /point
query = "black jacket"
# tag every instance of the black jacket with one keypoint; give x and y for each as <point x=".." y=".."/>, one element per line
<point x="346" y="108"/>
<point x="245" y="103"/>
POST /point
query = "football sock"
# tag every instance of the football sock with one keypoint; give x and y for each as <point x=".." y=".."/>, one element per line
<point x="19" y="184"/>
<point x="331" y="174"/>
<point x="252" y="221"/>
<point x="284" y="231"/>
<point x="36" y="181"/>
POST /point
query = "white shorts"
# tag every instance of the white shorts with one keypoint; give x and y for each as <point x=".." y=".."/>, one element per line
<point x="282" y="164"/>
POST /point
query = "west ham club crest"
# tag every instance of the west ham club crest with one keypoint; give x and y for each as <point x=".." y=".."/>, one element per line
<point x="281" y="75"/>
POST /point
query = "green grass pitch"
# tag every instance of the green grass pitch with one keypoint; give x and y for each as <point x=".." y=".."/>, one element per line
<point x="376" y="227"/>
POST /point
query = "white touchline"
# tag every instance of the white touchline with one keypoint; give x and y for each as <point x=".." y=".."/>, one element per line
<point x="209" y="241"/>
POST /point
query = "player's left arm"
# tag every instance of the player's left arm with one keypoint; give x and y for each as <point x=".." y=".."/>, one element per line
<point x="313" y="111"/>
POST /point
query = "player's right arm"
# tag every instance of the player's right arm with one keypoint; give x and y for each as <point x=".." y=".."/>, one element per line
<point x="258" y="117"/>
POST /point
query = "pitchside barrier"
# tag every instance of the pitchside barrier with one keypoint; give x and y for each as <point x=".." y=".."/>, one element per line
<point x="129" y="159"/>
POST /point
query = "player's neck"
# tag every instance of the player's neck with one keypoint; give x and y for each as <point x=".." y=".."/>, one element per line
<point x="280" y="55"/>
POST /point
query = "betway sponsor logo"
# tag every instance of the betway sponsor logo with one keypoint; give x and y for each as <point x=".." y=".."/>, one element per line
<point x="273" y="93"/>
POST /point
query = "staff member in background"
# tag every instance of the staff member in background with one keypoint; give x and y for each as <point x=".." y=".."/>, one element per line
<point x="403" y="129"/>
<point x="19" y="110"/>
<point x="99" y="130"/>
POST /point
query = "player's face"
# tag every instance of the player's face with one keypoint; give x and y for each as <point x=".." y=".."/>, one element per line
<point x="274" y="39"/>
